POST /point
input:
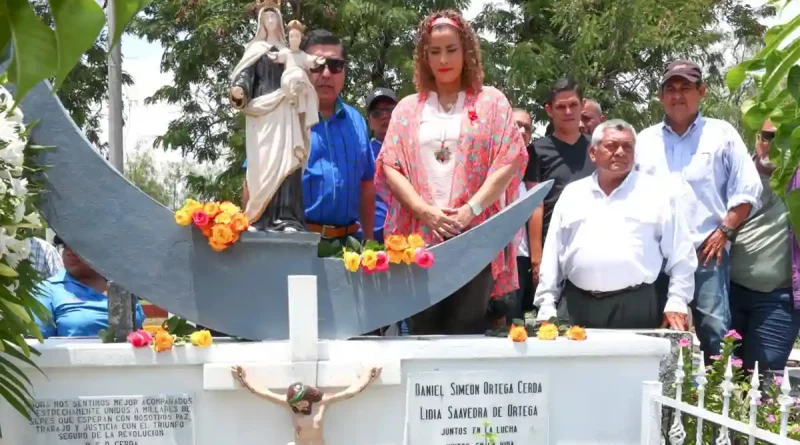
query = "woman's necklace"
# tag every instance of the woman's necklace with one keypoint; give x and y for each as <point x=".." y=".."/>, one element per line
<point x="446" y="108"/>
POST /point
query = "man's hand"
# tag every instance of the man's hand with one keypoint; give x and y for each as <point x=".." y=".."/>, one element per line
<point x="712" y="248"/>
<point x="675" y="320"/>
<point x="536" y="263"/>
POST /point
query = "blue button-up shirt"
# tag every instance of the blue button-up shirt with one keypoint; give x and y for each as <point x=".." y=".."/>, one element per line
<point x="77" y="309"/>
<point x="339" y="161"/>
<point x="708" y="169"/>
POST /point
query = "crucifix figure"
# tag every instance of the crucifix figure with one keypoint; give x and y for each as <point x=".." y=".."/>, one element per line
<point x="307" y="403"/>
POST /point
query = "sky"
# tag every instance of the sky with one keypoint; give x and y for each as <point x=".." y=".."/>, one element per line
<point x="142" y="61"/>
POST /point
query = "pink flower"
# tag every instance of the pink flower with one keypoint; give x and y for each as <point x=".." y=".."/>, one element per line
<point x="736" y="362"/>
<point x="140" y="338"/>
<point x="201" y="219"/>
<point x="734" y="335"/>
<point x="473" y="116"/>
<point x="382" y="263"/>
<point x="423" y="257"/>
<point x="367" y="270"/>
<point x="715" y="357"/>
<point x="684" y="343"/>
<point x="778" y="380"/>
<point x="771" y="418"/>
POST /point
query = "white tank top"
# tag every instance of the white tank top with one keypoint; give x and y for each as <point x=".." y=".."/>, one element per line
<point x="439" y="132"/>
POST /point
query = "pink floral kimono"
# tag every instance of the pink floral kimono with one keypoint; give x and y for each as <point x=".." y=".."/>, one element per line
<point x="489" y="140"/>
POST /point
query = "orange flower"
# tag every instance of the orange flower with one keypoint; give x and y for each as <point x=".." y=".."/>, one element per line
<point x="518" y="334"/>
<point x="215" y="246"/>
<point x="206" y="231"/>
<point x="223" y="218"/>
<point x="221" y="234"/>
<point x="396" y="242"/>
<point x="235" y="236"/>
<point x="547" y="331"/>
<point x="239" y="222"/>
<point x="409" y="255"/>
<point x="576" y="333"/>
<point x="212" y="209"/>
<point x="163" y="341"/>
<point x="415" y="241"/>
<point x="395" y="256"/>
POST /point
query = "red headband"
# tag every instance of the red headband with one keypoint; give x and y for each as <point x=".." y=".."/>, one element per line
<point x="444" y="21"/>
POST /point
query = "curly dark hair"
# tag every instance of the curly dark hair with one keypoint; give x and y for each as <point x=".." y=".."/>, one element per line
<point x="471" y="76"/>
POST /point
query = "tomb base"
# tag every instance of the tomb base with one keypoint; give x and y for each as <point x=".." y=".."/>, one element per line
<point x="432" y="390"/>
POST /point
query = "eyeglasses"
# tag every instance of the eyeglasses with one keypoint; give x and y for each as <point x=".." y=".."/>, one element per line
<point x="335" y="66"/>
<point x="767" y="136"/>
<point x="380" y="112"/>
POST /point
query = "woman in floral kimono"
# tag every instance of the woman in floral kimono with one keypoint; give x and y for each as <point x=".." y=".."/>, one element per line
<point x="452" y="156"/>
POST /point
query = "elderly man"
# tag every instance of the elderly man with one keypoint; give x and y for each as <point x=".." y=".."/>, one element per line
<point x="705" y="163"/>
<point x="609" y="236"/>
<point x="338" y="189"/>
<point x="591" y="116"/>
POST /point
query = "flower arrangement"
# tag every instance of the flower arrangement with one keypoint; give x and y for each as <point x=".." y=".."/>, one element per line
<point x="374" y="257"/>
<point x="174" y="332"/>
<point x="768" y="409"/>
<point x="220" y="222"/>
<point x="520" y="331"/>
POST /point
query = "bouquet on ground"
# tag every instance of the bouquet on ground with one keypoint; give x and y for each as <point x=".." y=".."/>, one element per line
<point x="174" y="332"/>
<point x="521" y="330"/>
<point x="220" y="222"/>
<point x="375" y="257"/>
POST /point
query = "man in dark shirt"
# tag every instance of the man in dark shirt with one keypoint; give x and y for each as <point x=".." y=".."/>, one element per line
<point x="562" y="156"/>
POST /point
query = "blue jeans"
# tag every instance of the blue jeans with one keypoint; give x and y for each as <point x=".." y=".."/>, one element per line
<point x="768" y="324"/>
<point x="711" y="306"/>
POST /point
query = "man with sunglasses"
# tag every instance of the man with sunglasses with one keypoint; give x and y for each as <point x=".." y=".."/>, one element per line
<point x="705" y="164"/>
<point x="338" y="189"/>
<point x="380" y="105"/>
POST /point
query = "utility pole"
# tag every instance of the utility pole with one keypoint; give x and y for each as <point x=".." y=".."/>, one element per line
<point x="115" y="140"/>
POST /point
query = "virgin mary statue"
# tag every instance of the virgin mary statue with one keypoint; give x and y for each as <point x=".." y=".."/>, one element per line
<point x="277" y="140"/>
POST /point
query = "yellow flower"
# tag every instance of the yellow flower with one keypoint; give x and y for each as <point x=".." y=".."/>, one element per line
<point x="396" y="242"/>
<point x="215" y="246"/>
<point x="409" y="255"/>
<point x="192" y="206"/>
<point x="221" y="234"/>
<point x="395" y="256"/>
<point x="163" y="341"/>
<point x="351" y="261"/>
<point x="229" y="208"/>
<point x="223" y="218"/>
<point x="201" y="338"/>
<point x="576" y="333"/>
<point x="369" y="258"/>
<point x="415" y="241"/>
<point x="547" y="331"/>
<point x="239" y="222"/>
<point x="212" y="209"/>
<point x="518" y="333"/>
<point x="183" y="217"/>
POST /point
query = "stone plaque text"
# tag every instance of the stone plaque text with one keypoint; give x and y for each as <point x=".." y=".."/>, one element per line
<point x="124" y="420"/>
<point x="460" y="408"/>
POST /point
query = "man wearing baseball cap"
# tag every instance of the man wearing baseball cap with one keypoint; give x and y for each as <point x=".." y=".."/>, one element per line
<point x="380" y="104"/>
<point x="706" y="164"/>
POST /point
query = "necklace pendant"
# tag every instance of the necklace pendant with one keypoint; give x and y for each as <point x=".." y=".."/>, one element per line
<point x="442" y="155"/>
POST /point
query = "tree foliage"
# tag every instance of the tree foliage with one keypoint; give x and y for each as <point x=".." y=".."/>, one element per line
<point x="615" y="49"/>
<point x="204" y="39"/>
<point x="165" y="185"/>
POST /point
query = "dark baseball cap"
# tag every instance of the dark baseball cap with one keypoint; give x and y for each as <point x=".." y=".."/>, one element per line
<point x="380" y="93"/>
<point x="683" y="68"/>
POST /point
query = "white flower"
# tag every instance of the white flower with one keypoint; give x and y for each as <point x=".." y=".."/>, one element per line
<point x="33" y="218"/>
<point x="15" y="116"/>
<point x="19" y="212"/>
<point x="3" y="188"/>
<point x="14" y="153"/>
<point x="19" y="187"/>
<point x="9" y="131"/>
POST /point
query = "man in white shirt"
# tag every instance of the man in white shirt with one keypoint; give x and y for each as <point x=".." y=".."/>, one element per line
<point x="609" y="236"/>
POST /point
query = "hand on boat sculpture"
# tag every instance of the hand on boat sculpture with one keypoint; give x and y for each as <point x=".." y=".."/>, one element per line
<point x="308" y="403"/>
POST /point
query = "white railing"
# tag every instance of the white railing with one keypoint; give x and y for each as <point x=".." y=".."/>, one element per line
<point x="686" y="416"/>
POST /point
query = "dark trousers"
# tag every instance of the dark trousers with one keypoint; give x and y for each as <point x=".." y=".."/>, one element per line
<point x="629" y="309"/>
<point x="462" y="313"/>
<point x="524" y="297"/>
<point x="768" y="323"/>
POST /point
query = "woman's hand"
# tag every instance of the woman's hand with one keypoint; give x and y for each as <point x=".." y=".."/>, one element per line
<point x="443" y="226"/>
<point x="462" y="215"/>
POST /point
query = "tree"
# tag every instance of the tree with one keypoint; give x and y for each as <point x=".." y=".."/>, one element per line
<point x="204" y="39"/>
<point x="615" y="49"/>
<point x="166" y="184"/>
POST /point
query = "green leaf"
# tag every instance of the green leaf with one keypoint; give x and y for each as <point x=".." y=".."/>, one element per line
<point x="5" y="32"/>
<point x="7" y="364"/>
<point x="737" y="75"/>
<point x="78" y="23"/>
<point x="35" y="54"/>
<point x="16" y="403"/>
<point x="7" y="271"/>
<point x="793" y="82"/>
<point x="373" y="245"/>
<point x="124" y="10"/>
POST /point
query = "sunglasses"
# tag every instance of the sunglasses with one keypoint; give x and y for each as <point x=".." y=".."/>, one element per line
<point x="335" y="66"/>
<point x="380" y="112"/>
<point x="767" y="136"/>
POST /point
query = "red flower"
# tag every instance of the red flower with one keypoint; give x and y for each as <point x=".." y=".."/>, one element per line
<point x="140" y="338"/>
<point x="473" y="116"/>
<point x="201" y="219"/>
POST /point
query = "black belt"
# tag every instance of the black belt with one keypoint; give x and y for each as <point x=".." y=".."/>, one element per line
<point x="610" y="293"/>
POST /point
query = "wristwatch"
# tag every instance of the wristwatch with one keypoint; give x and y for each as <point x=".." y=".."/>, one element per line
<point x="728" y="232"/>
<point x="475" y="207"/>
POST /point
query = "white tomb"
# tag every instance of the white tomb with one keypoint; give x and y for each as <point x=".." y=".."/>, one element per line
<point x="432" y="390"/>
